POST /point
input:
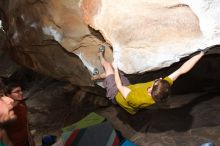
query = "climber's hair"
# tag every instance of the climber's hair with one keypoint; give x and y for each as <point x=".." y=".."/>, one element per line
<point x="160" y="90"/>
<point x="11" y="86"/>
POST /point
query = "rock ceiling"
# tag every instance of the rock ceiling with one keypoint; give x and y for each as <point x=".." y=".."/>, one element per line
<point x="60" y="38"/>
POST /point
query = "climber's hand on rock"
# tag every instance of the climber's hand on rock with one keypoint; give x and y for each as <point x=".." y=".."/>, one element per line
<point x="204" y="50"/>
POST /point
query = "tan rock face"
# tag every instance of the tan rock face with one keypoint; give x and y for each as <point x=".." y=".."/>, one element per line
<point x="46" y="36"/>
<point x="147" y="35"/>
<point x="60" y="38"/>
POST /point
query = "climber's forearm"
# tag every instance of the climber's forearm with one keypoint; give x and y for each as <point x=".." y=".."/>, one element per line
<point x="123" y="89"/>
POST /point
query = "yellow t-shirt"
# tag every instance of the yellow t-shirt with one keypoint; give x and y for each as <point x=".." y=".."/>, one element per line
<point x="138" y="97"/>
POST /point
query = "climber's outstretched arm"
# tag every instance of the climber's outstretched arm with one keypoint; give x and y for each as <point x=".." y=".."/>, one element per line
<point x="187" y="66"/>
<point x="123" y="89"/>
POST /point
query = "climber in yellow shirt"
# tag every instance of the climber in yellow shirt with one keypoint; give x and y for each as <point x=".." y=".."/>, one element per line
<point x="141" y="95"/>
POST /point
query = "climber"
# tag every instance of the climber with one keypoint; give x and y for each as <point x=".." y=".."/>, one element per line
<point x="140" y="95"/>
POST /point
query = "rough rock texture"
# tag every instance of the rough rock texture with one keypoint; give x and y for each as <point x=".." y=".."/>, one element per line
<point x="60" y="38"/>
<point x="46" y="42"/>
<point x="149" y="34"/>
<point x="7" y="66"/>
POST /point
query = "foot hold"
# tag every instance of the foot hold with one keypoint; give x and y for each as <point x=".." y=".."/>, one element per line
<point x="95" y="71"/>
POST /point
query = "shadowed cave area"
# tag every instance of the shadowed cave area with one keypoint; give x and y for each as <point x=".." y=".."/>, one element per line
<point x="189" y="117"/>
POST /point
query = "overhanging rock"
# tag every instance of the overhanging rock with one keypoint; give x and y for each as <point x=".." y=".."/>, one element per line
<point x="61" y="38"/>
<point x="148" y="34"/>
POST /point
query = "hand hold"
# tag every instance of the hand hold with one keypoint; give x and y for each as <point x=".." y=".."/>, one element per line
<point x="95" y="71"/>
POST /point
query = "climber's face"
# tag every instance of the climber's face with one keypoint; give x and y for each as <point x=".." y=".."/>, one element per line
<point x="16" y="94"/>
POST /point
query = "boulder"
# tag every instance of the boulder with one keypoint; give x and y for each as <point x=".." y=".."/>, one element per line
<point x="60" y="38"/>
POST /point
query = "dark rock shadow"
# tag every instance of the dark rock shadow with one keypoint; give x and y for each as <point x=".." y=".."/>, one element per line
<point x="162" y="120"/>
